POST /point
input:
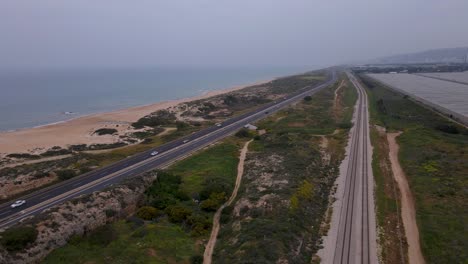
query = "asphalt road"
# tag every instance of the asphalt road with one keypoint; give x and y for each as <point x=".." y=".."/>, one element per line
<point x="43" y="199"/>
<point x="356" y="237"/>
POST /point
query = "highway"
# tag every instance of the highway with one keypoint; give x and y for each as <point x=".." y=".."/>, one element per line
<point x="356" y="231"/>
<point x="99" y="179"/>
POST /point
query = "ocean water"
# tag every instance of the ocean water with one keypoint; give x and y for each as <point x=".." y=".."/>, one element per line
<point x="34" y="98"/>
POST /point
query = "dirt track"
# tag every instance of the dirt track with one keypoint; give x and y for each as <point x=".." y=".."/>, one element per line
<point x="408" y="212"/>
<point x="214" y="232"/>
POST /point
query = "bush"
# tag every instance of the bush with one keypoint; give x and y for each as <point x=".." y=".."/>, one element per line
<point x="105" y="131"/>
<point x="448" y="129"/>
<point x="110" y="212"/>
<point x="178" y="213"/>
<point x="161" y="117"/>
<point x="214" y="202"/>
<point x="196" y="259"/>
<point x="18" y="238"/>
<point x="243" y="133"/>
<point x="65" y="174"/>
<point x="147" y="141"/>
<point x="147" y="212"/>
<point x="345" y="125"/>
<point x="181" y="125"/>
<point x="56" y="152"/>
<point x="22" y="156"/>
<point x="199" y="224"/>
<point x="215" y="186"/>
<point x="79" y="147"/>
<point x="164" y="191"/>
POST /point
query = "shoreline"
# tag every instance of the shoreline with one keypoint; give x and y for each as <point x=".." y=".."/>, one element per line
<point x="79" y="129"/>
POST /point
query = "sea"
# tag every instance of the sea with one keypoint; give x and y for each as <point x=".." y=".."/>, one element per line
<point x="31" y="98"/>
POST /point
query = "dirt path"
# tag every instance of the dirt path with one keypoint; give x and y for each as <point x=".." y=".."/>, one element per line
<point x="336" y="93"/>
<point x="214" y="232"/>
<point x="408" y="212"/>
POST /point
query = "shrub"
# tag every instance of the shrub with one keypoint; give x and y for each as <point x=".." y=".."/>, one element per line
<point x="448" y="129"/>
<point x="178" y="213"/>
<point x="199" y="224"/>
<point x="181" y="125"/>
<point x="147" y="212"/>
<point x="230" y="100"/>
<point x="23" y="156"/>
<point x="214" y="202"/>
<point x="147" y="141"/>
<point x="217" y="185"/>
<point x="243" y="133"/>
<point x="65" y="174"/>
<point x="105" y="131"/>
<point x="18" y="238"/>
<point x="161" y="117"/>
<point x="345" y="125"/>
<point x="197" y="259"/>
<point x="79" y="147"/>
<point x="55" y="152"/>
<point x="110" y="212"/>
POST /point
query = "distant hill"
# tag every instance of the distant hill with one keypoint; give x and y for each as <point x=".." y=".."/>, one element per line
<point x="430" y="56"/>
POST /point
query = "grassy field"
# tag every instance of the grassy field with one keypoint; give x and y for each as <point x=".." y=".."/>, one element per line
<point x="433" y="154"/>
<point x="161" y="240"/>
<point x="284" y="196"/>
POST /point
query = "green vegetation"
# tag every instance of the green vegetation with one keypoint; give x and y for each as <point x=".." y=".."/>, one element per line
<point x="147" y="213"/>
<point x="158" y="118"/>
<point x="387" y="198"/>
<point x="176" y="221"/>
<point x="156" y="242"/>
<point x="65" y="174"/>
<point x="23" y="156"/>
<point x="105" y="131"/>
<point x="287" y="182"/>
<point x="17" y="238"/>
<point x="434" y="160"/>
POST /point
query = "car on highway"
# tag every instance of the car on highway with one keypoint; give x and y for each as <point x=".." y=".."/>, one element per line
<point x="17" y="203"/>
<point x="185" y="141"/>
<point x="154" y="153"/>
<point x="218" y="124"/>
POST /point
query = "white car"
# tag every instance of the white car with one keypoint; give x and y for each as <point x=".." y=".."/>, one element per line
<point x="154" y="153"/>
<point x="218" y="124"/>
<point x="17" y="203"/>
<point x="185" y="141"/>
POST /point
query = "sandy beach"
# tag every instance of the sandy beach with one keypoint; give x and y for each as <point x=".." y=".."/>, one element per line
<point x="80" y="130"/>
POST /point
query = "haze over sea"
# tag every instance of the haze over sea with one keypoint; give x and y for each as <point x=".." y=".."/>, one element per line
<point x="38" y="97"/>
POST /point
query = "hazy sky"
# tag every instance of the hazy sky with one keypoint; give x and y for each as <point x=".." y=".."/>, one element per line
<point x="96" y="33"/>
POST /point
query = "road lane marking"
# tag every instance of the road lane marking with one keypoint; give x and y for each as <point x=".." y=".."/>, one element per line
<point x="76" y="184"/>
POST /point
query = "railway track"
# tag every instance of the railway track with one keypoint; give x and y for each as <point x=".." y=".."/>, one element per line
<point x="356" y="239"/>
